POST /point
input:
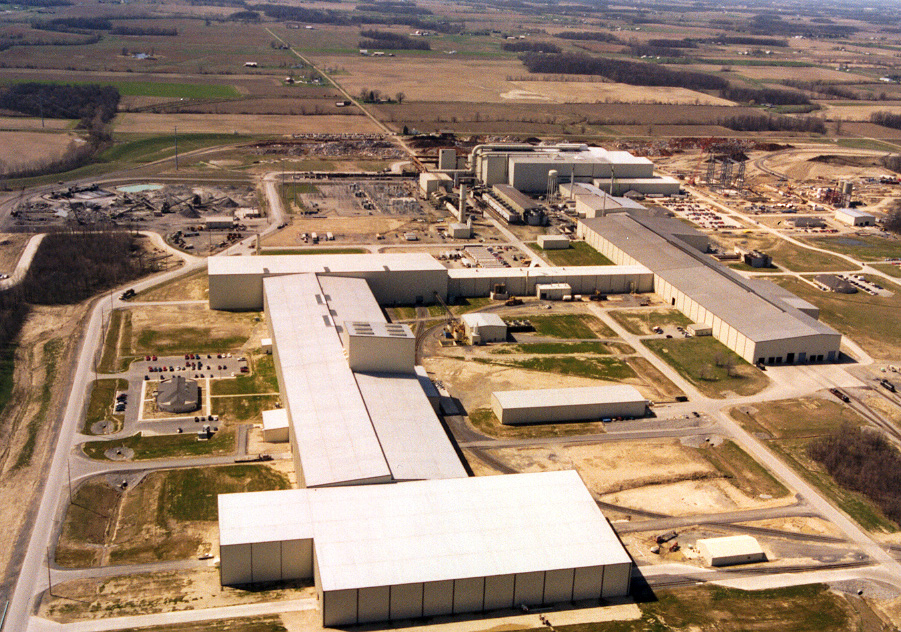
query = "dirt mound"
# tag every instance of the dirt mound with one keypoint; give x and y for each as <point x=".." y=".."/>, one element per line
<point x="847" y="161"/>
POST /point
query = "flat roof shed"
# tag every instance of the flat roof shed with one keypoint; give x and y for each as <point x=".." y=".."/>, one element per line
<point x="560" y="405"/>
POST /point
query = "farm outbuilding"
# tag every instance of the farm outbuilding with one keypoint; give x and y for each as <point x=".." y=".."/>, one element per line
<point x="736" y="549"/>
<point x="855" y="217"/>
<point x="427" y="548"/>
<point x="561" y="405"/>
<point x="178" y="395"/>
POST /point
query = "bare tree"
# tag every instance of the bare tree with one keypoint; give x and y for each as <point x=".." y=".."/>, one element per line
<point x="399" y="97"/>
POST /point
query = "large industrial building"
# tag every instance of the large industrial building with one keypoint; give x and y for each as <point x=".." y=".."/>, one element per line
<point x="562" y="405"/>
<point x="535" y="169"/>
<point x="760" y="321"/>
<point x="427" y="548"/>
<point x="236" y="283"/>
<point x="426" y="540"/>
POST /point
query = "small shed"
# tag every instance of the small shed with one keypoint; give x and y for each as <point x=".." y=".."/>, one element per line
<point x="266" y="344"/>
<point x="736" y="549"/>
<point x="275" y="425"/>
<point x="214" y="222"/>
<point x="484" y="327"/>
<point x="553" y="242"/>
<point x="700" y="329"/>
<point x="854" y="217"/>
<point x="460" y="231"/>
<point x="178" y="395"/>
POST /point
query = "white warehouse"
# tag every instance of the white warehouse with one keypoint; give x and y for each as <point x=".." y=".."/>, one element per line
<point x="427" y="548"/>
<point x="561" y="405"/>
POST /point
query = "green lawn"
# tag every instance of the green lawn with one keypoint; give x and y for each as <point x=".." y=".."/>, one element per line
<point x="871" y="321"/>
<point x="261" y="379"/>
<point x="167" y="446"/>
<point x="579" y="253"/>
<point x="888" y="268"/>
<point x="148" y="149"/>
<point x="101" y="404"/>
<point x="186" y="340"/>
<point x="241" y="409"/>
<point x="640" y="322"/>
<point x="861" y="247"/>
<point x="555" y="348"/>
<point x="708" y="608"/>
<point x="708" y="364"/>
<point x="571" y="326"/>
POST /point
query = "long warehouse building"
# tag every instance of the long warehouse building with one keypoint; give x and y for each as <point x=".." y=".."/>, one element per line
<point x="428" y="548"/>
<point x="761" y="322"/>
<point x="236" y="283"/>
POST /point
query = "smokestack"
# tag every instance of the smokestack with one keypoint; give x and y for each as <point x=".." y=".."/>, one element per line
<point x="461" y="213"/>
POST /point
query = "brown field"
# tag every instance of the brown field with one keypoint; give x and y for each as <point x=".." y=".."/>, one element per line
<point x="290" y="106"/>
<point x="859" y="112"/>
<point x="454" y="79"/>
<point x="243" y="124"/>
<point x="14" y="123"/>
<point x="18" y="149"/>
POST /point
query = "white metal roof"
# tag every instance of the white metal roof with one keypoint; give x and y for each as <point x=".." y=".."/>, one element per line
<point x="334" y="436"/>
<point x="411" y="435"/>
<point x="423" y="531"/>
<point x="324" y="263"/>
<point x="544" y="272"/>
<point x="275" y="418"/>
<point x="854" y="212"/>
<point x="579" y="396"/>
<point x="483" y="319"/>
<point x="350" y="299"/>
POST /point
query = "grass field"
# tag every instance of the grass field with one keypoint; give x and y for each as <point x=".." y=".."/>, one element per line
<point x="243" y="409"/>
<point x="151" y="148"/>
<point x="261" y="379"/>
<point x="790" y="256"/>
<point x="790" y="425"/>
<point x="889" y="269"/>
<point x="861" y="247"/>
<point x="743" y="471"/>
<point x="166" y="446"/>
<point x="596" y="368"/>
<point x="556" y="348"/>
<point x="164" y="517"/>
<point x="579" y="253"/>
<point x="640" y="322"/>
<point x="246" y="124"/>
<point x="807" y="608"/>
<point x="871" y="321"/>
<point x="572" y="326"/>
<point x="153" y="88"/>
<point x="184" y="340"/>
<point x="708" y="364"/>
<point x="101" y="403"/>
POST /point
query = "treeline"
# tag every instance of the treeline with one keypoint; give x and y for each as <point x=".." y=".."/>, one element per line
<point x="522" y="46"/>
<point x="769" y="24"/>
<point x="644" y="50"/>
<point x="886" y="119"/>
<point x="620" y="71"/>
<point x="74" y="25"/>
<point x="402" y="8"/>
<point x="144" y="31"/>
<point x="244" y="16"/>
<point x="864" y="462"/>
<point x="587" y="36"/>
<point x="70" y="267"/>
<point x="392" y="41"/>
<point x="85" y="40"/>
<point x="773" y="96"/>
<point x="92" y="104"/>
<point x="766" y="42"/>
<point x="892" y="221"/>
<point x="343" y="18"/>
<point x="892" y="162"/>
<point x="671" y="43"/>
<point x="763" y="123"/>
<point x="822" y="87"/>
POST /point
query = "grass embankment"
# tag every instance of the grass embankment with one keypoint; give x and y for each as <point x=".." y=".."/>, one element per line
<point x="485" y="421"/>
<point x="194" y="286"/>
<point x="708" y="364"/>
<point x="181" y="506"/>
<point x="144" y="149"/>
<point x="102" y="403"/>
<point x="871" y="321"/>
<point x="789" y="425"/>
<point x="52" y="351"/>
<point x="182" y="340"/>
<point x="579" y="253"/>
<point x="315" y="251"/>
<point x="743" y="471"/>
<point x="603" y="368"/>
<point x="116" y="345"/>
<point x="557" y="348"/>
<point x="166" y="446"/>
<point x="808" y="608"/>
<point x="640" y="322"/>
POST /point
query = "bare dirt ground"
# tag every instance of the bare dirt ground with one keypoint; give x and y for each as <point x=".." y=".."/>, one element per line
<point x="29" y="422"/>
<point x="12" y="123"/>
<point x="798" y="524"/>
<point x="689" y="497"/>
<point x="154" y="592"/>
<point x="11" y="247"/>
<point x="593" y="92"/>
<point x="194" y="287"/>
<point x="20" y="149"/>
<point x="860" y="112"/>
<point x="179" y="324"/>
<point x="243" y="124"/>
<point x="352" y="229"/>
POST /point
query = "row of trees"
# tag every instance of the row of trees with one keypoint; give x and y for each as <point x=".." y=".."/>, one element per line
<point x="368" y="95"/>
<point x="773" y="96"/>
<point x="764" y="123"/>
<point x="621" y="71"/>
<point x="822" y="88"/>
<point x="862" y="461"/>
<point x="144" y="31"/>
<point x="590" y="36"/>
<point x="74" y="25"/>
<point x="522" y="46"/>
<point x="384" y="6"/>
<point x="391" y="41"/>
<point x="92" y="104"/>
<point x="329" y="16"/>
<point x="892" y="221"/>
<point x="886" y="119"/>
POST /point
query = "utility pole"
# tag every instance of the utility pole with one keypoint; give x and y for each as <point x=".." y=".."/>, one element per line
<point x="49" y="579"/>
<point x="176" y="147"/>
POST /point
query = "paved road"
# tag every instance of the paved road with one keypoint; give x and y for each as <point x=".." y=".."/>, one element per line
<point x="24" y="262"/>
